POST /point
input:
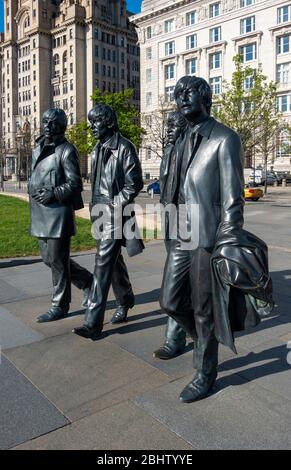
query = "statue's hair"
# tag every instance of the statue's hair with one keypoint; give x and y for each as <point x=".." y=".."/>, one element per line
<point x="57" y="114"/>
<point x="198" y="84"/>
<point x="105" y="112"/>
<point x="177" y="118"/>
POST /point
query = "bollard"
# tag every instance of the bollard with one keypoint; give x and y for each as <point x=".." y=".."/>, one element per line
<point x="284" y="182"/>
<point x="275" y="183"/>
<point x="152" y="193"/>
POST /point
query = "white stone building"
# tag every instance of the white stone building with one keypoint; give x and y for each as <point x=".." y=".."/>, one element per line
<point x="201" y="37"/>
<point x="55" y="53"/>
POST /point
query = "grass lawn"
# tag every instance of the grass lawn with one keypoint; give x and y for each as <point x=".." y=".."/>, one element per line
<point x="15" y="239"/>
<point x="14" y="230"/>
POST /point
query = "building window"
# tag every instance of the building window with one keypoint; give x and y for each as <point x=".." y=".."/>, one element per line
<point x="148" y="75"/>
<point x="56" y="60"/>
<point x="122" y="58"/>
<point x="248" y="83"/>
<point x="246" y="3"/>
<point x="191" y="41"/>
<point x="169" y="72"/>
<point x="96" y="35"/>
<point x="65" y="88"/>
<point x="283" y="44"/>
<point x="170" y="48"/>
<point x="284" y="14"/>
<point x="247" y="25"/>
<point x="109" y="54"/>
<point x="214" y="9"/>
<point x="71" y="85"/>
<point x="215" y="60"/>
<point x="70" y="34"/>
<point x="96" y="51"/>
<point x="284" y="103"/>
<point x="215" y="34"/>
<point x="215" y="84"/>
<point x="190" y="18"/>
<point x="191" y="66"/>
<point x="149" y="53"/>
<point x="149" y="99"/>
<point x="169" y="26"/>
<point x="148" y="154"/>
<point x="248" y="52"/>
<point x="283" y="73"/>
<point x="71" y="51"/>
<point x="71" y="67"/>
<point x="169" y="93"/>
<point x="96" y="67"/>
<point x="149" y="32"/>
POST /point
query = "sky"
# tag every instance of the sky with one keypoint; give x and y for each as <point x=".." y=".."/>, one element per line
<point x="132" y="5"/>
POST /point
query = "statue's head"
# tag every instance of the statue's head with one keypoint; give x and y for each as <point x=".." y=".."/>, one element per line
<point x="103" y="121"/>
<point x="193" y="96"/>
<point x="54" y="122"/>
<point x="176" y="125"/>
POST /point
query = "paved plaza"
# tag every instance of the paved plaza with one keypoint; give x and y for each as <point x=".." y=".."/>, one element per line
<point x="60" y="391"/>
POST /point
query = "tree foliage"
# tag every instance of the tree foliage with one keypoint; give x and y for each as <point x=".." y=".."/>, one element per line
<point x="250" y="110"/>
<point x="80" y="134"/>
<point x="127" y="114"/>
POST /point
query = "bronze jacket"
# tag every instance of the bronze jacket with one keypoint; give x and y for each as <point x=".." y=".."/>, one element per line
<point x="55" y="166"/>
<point x="242" y="286"/>
<point x="214" y="179"/>
<point x="122" y="176"/>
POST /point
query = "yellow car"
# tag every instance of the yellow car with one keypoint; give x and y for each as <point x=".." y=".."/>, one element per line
<point x="253" y="193"/>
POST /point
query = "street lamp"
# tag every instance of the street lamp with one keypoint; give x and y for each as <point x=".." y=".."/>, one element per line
<point x="19" y="139"/>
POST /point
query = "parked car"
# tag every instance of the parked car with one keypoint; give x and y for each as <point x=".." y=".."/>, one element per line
<point x="253" y="193"/>
<point x="155" y="186"/>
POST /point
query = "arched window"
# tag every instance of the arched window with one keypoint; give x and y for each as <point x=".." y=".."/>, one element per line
<point x="27" y="22"/>
<point x="65" y="60"/>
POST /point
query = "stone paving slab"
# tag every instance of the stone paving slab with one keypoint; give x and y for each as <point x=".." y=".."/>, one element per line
<point x="14" y="332"/>
<point x="8" y="292"/>
<point x="265" y="366"/>
<point x="124" y="426"/>
<point x="25" y="412"/>
<point x="82" y="376"/>
<point x="239" y="416"/>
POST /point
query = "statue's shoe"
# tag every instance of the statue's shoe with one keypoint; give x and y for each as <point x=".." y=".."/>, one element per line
<point x="169" y="350"/>
<point x="199" y="388"/>
<point x="120" y="315"/>
<point x="87" y="332"/>
<point x="53" y="314"/>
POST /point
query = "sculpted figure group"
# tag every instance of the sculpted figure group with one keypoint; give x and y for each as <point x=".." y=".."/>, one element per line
<point x="216" y="279"/>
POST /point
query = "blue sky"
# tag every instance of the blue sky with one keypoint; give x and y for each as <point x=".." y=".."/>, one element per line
<point x="132" y="5"/>
<point x="1" y="15"/>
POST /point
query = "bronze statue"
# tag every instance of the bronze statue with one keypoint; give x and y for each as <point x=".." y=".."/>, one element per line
<point x="175" y="336"/>
<point x="55" y="190"/>
<point x="116" y="181"/>
<point x="204" y="288"/>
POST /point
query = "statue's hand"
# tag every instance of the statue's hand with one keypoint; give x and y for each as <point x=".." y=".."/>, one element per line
<point x="45" y="196"/>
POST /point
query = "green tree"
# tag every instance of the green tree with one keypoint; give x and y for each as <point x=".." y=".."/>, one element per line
<point x="248" y="105"/>
<point x="127" y="114"/>
<point x="81" y="136"/>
